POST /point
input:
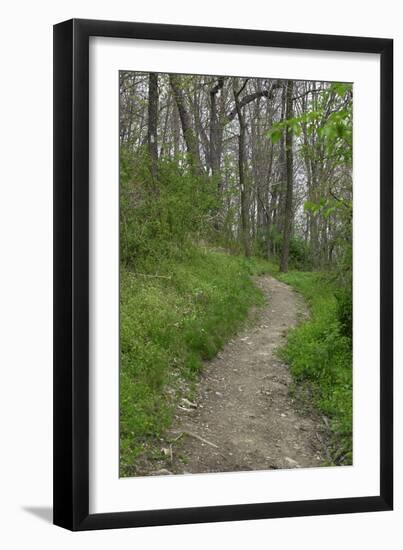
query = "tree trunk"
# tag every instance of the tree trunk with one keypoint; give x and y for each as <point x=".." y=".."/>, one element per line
<point x="176" y="130"/>
<point x="187" y="127"/>
<point x="282" y="166"/>
<point x="245" y="226"/>
<point x="153" y="123"/>
<point x="215" y="134"/>
<point x="288" y="206"/>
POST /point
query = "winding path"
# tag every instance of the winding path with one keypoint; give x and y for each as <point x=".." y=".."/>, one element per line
<point x="243" y="417"/>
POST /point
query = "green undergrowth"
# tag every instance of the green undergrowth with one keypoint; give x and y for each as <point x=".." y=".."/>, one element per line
<point x="320" y="359"/>
<point x="174" y="315"/>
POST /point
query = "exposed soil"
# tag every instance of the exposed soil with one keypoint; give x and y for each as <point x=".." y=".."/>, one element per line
<point x="243" y="416"/>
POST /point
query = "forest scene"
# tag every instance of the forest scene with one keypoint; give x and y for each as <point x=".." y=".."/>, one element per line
<point x="235" y="273"/>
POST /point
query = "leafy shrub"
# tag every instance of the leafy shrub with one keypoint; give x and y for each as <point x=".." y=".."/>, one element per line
<point x="158" y="218"/>
<point x="299" y="253"/>
<point x="299" y="257"/>
<point x="319" y="353"/>
<point x="344" y="299"/>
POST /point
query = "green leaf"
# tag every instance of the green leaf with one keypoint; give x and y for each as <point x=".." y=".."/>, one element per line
<point x="275" y="135"/>
<point x="310" y="206"/>
<point x="341" y="88"/>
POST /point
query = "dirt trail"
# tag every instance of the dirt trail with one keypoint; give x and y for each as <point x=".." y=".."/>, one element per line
<point x="243" y="417"/>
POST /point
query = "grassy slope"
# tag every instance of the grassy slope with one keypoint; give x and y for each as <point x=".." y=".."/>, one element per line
<point x="168" y="327"/>
<point x="320" y="359"/>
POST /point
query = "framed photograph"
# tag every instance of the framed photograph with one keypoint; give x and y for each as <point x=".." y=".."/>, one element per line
<point x="223" y="274"/>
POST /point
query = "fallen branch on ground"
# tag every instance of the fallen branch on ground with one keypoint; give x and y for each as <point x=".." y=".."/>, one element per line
<point x="154" y="276"/>
<point x="206" y="441"/>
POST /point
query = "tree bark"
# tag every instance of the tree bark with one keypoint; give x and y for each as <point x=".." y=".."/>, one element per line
<point x="288" y="206"/>
<point x="186" y="122"/>
<point x="249" y="98"/>
<point x="152" y="138"/>
<point x="245" y="225"/>
<point x="215" y="134"/>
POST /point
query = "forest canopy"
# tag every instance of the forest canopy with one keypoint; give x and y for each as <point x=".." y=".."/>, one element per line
<point x="258" y="166"/>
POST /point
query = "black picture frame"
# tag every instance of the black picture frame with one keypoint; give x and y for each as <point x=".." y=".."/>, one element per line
<point x="71" y="274"/>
